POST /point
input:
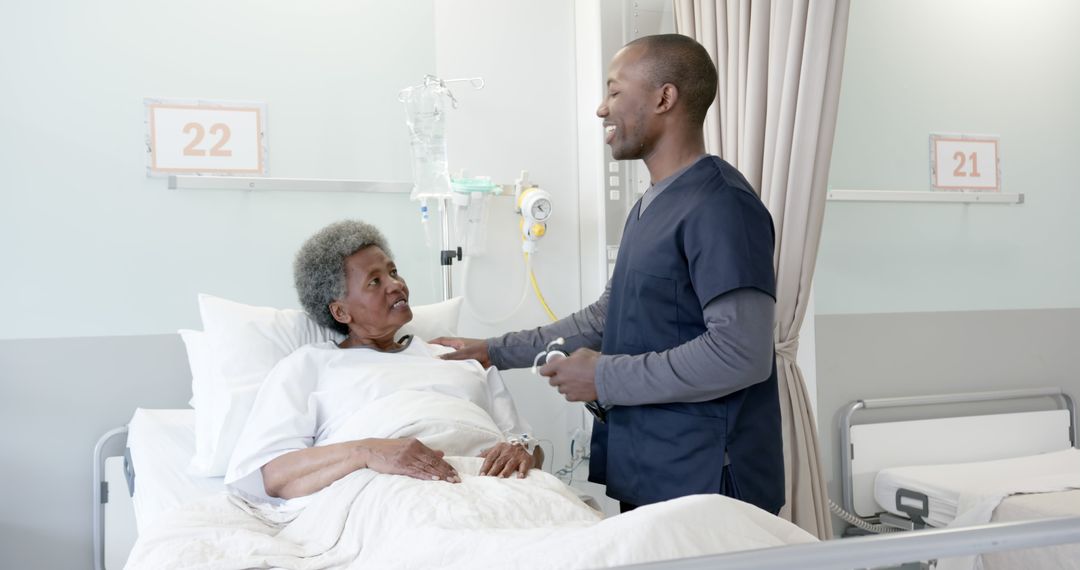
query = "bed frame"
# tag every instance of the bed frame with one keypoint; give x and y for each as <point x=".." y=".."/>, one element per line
<point x="112" y="444"/>
<point x="870" y="447"/>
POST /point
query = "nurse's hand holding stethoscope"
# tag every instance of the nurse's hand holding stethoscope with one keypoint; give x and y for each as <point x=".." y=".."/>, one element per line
<point x="574" y="376"/>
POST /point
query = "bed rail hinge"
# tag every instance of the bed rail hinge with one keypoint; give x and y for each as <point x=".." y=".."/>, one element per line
<point x="104" y="492"/>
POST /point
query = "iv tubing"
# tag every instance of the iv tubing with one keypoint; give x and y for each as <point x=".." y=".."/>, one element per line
<point x="536" y="288"/>
<point x="501" y="319"/>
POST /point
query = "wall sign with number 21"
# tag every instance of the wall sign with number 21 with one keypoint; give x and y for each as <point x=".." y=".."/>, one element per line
<point x="964" y="162"/>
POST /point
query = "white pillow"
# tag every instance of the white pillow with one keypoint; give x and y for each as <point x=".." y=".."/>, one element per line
<point x="245" y="342"/>
<point x="208" y="397"/>
<point x="434" y="320"/>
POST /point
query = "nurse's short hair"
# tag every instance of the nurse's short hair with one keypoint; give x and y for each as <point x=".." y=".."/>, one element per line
<point x="683" y="62"/>
<point x="319" y="269"/>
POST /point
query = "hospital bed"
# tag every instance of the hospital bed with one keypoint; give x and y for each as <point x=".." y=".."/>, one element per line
<point x="175" y="427"/>
<point x="157" y="452"/>
<point x="156" y="447"/>
<point x="948" y="472"/>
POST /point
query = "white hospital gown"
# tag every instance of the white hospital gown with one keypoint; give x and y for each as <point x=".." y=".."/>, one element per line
<point x="322" y="394"/>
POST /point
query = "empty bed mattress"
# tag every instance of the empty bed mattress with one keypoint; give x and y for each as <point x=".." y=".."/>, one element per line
<point x="959" y="489"/>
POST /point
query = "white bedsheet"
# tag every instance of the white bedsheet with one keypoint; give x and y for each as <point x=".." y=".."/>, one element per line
<point x="162" y="443"/>
<point x="370" y="520"/>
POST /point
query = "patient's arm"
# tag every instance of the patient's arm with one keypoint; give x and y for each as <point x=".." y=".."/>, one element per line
<point x="305" y="471"/>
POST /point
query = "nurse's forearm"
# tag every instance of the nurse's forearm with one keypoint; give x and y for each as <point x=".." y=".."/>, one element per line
<point x="583" y="329"/>
<point x="735" y="352"/>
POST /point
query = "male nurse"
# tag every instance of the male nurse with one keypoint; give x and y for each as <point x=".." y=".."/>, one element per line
<point x="678" y="352"/>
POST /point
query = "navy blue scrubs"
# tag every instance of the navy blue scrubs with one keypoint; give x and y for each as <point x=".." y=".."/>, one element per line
<point x="705" y="235"/>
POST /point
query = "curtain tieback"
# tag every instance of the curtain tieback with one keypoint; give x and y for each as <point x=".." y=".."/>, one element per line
<point x="788" y="348"/>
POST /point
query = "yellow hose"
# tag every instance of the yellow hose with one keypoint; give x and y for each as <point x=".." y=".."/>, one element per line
<point x="536" y="289"/>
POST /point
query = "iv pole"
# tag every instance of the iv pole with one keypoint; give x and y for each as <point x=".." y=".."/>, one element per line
<point x="447" y="255"/>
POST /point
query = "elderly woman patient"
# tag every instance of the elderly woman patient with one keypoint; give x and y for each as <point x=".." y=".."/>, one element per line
<point x="375" y="400"/>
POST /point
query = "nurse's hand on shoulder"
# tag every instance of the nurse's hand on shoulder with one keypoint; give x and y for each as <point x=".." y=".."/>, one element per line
<point x="465" y="349"/>
<point x="575" y="375"/>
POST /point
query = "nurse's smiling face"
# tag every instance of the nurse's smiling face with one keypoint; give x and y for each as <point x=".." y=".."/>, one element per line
<point x="376" y="300"/>
<point x="629" y="125"/>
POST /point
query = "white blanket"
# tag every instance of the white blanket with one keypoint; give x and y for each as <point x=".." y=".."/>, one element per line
<point x="370" y="520"/>
<point x="375" y="520"/>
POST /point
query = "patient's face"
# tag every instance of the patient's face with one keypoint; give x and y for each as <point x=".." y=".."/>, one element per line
<point x="376" y="297"/>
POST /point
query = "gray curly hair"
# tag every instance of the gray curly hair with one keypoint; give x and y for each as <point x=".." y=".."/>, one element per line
<point x="319" y="269"/>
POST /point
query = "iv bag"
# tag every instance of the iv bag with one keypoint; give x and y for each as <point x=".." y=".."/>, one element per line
<point x="425" y="115"/>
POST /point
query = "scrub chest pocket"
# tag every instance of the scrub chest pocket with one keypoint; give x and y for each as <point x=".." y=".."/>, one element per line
<point x="652" y="326"/>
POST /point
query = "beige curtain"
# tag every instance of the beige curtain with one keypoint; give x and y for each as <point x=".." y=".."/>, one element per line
<point x="780" y="65"/>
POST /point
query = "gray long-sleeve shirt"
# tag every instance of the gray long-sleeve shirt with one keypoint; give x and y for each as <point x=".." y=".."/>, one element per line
<point x="734" y="352"/>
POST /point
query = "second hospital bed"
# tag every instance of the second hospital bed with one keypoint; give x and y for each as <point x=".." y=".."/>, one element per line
<point x="956" y="471"/>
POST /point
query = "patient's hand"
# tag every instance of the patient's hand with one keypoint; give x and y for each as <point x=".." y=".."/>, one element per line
<point x="466" y="349"/>
<point x="408" y="457"/>
<point x="505" y="460"/>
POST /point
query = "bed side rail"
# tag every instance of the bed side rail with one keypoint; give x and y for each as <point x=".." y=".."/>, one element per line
<point x="888" y="549"/>
<point x="113" y="443"/>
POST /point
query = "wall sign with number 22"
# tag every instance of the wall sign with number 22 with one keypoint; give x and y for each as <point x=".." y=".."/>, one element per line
<point x="203" y="137"/>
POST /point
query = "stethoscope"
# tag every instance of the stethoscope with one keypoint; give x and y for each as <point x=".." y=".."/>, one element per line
<point x="549" y="354"/>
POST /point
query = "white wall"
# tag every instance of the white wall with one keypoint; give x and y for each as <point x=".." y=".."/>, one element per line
<point x="965" y="66"/>
<point x="90" y="246"/>
<point x="523" y="119"/>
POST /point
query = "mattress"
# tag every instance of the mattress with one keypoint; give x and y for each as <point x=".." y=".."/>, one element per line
<point x="161" y="443"/>
<point x="952" y="489"/>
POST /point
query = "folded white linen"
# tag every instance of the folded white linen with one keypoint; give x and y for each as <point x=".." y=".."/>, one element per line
<point x="970" y="491"/>
<point x="977" y="488"/>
